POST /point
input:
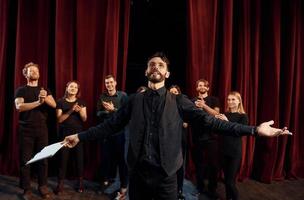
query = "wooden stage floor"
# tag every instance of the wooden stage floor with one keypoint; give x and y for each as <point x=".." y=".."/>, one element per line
<point x="249" y="190"/>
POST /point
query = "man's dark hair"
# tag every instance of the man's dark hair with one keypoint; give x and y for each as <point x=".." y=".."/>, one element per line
<point x="202" y="80"/>
<point x="176" y="87"/>
<point x="110" y="76"/>
<point x="162" y="56"/>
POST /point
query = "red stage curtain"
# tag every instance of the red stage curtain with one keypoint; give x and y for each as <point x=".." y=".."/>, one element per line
<point x="70" y="40"/>
<point x="254" y="47"/>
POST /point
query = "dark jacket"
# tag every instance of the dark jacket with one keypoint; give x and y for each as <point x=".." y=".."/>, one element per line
<point x="177" y="109"/>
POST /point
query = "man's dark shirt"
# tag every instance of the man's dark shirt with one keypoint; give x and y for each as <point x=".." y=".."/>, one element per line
<point x="118" y="99"/>
<point x="36" y="116"/>
<point x="201" y="133"/>
<point x="154" y="103"/>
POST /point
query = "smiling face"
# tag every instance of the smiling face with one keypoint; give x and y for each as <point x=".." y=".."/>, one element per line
<point x="110" y="84"/>
<point x="72" y="88"/>
<point x="202" y="87"/>
<point x="157" y="70"/>
<point x="233" y="102"/>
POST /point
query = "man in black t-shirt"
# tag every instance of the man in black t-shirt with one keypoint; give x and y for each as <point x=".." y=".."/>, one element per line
<point x="32" y="102"/>
<point x="205" y="151"/>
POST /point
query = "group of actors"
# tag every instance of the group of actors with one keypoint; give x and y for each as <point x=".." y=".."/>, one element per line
<point x="142" y="135"/>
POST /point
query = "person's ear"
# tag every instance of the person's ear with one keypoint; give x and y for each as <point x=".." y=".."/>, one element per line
<point x="146" y="72"/>
<point x="167" y="74"/>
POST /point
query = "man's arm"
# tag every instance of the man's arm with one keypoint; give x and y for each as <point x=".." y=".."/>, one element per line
<point x="192" y="113"/>
<point x="110" y="126"/>
<point x="212" y="111"/>
<point x="21" y="106"/>
<point x="200" y="103"/>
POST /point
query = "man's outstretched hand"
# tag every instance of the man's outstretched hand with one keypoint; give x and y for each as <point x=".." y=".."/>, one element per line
<point x="70" y="141"/>
<point x="265" y="129"/>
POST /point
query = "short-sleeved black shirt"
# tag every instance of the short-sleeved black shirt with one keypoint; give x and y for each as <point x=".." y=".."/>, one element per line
<point x="201" y="133"/>
<point x="36" y="116"/>
<point x="74" y="120"/>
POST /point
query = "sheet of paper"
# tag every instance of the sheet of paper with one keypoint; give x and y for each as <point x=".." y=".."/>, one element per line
<point x="46" y="152"/>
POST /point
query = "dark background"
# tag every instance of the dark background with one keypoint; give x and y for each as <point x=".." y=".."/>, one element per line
<point x="157" y="26"/>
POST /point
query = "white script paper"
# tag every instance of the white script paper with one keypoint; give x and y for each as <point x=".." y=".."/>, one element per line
<point x="46" y="152"/>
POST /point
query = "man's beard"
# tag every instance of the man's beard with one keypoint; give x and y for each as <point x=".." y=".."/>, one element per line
<point x="155" y="77"/>
<point x="202" y="91"/>
<point x="34" y="78"/>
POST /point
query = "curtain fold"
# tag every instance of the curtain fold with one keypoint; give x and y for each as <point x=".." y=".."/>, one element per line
<point x="254" y="47"/>
<point x="70" y="40"/>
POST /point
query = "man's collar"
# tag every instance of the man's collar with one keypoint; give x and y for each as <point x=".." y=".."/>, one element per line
<point x="107" y="93"/>
<point x="161" y="91"/>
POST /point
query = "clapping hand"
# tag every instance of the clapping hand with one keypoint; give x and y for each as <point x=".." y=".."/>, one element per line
<point x="109" y="106"/>
<point x="42" y="95"/>
<point x="222" y="117"/>
<point x="76" y="107"/>
<point x="200" y="103"/>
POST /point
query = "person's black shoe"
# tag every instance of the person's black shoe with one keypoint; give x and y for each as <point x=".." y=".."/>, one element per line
<point x="59" y="189"/>
<point x="180" y="195"/>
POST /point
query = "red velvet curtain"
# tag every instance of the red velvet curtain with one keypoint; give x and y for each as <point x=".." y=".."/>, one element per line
<point x="81" y="40"/>
<point x="254" y="47"/>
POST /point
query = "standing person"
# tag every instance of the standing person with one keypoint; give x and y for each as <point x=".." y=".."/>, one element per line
<point x="155" y="119"/>
<point x="71" y="112"/>
<point x="32" y="102"/>
<point x="232" y="146"/>
<point x="205" y="150"/>
<point x="113" y="146"/>
<point x="175" y="89"/>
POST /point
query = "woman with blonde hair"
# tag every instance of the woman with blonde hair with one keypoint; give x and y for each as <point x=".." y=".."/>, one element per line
<point x="231" y="150"/>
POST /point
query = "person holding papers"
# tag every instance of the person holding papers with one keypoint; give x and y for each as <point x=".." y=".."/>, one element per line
<point x="71" y="113"/>
<point x="32" y="102"/>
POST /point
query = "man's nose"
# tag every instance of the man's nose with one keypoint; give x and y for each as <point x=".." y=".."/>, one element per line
<point x="155" y="67"/>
